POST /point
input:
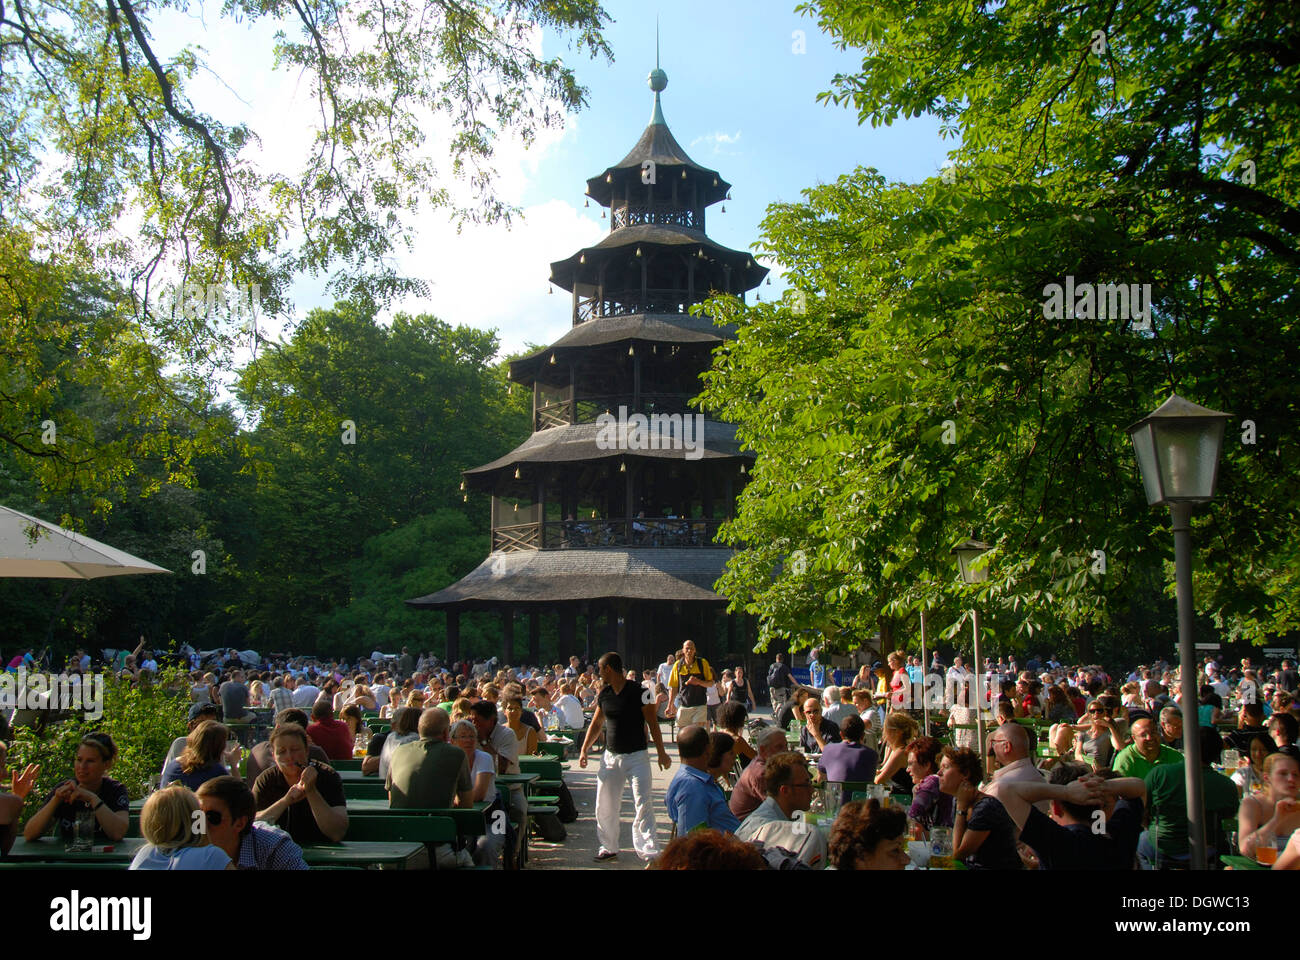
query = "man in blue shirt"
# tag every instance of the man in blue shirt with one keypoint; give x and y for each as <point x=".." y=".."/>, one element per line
<point x="816" y="672"/>
<point x="693" y="799"/>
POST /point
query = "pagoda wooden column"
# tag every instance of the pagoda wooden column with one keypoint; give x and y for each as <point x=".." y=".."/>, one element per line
<point x="590" y="618"/>
<point x="644" y="294"/>
<point x="573" y="392"/>
<point x="568" y="632"/>
<point x="534" y="634"/>
<point x="453" y="636"/>
<point x="508" y="635"/>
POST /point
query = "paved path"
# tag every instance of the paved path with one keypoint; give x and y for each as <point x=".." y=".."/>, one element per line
<point x="577" y="851"/>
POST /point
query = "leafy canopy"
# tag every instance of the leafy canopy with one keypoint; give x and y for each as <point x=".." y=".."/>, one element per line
<point x="918" y="319"/>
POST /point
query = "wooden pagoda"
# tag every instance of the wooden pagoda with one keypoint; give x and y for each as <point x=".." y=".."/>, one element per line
<point x="621" y="535"/>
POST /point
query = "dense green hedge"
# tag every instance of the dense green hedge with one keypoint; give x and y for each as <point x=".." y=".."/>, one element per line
<point x="142" y="720"/>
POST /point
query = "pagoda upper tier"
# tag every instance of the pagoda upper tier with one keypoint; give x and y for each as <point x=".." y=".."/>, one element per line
<point x="657" y="257"/>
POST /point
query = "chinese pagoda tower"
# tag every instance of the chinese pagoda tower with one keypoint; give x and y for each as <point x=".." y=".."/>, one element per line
<point x="621" y="533"/>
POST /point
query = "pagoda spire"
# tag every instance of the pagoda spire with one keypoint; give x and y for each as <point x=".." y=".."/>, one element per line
<point x="658" y="80"/>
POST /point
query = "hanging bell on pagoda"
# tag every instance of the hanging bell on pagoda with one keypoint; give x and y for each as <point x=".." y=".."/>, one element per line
<point x="724" y="208"/>
<point x="586" y="203"/>
<point x="742" y="469"/>
<point x="518" y="476"/>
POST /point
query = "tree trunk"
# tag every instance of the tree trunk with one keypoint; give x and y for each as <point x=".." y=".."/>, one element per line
<point x="888" y="626"/>
<point x="1083" y="640"/>
<point x="58" y="608"/>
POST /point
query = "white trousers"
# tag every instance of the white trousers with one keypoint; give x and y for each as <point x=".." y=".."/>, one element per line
<point x="615" y="770"/>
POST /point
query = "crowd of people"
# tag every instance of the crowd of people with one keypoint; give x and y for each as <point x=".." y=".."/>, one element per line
<point x="1104" y="789"/>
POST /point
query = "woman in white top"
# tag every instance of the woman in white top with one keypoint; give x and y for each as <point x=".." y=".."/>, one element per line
<point x="483" y="775"/>
<point x="406" y="721"/>
<point x="963" y="713"/>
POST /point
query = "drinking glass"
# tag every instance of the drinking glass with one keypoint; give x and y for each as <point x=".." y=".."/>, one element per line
<point x="941" y="843"/>
<point x="1266" y="849"/>
<point x="83" y="832"/>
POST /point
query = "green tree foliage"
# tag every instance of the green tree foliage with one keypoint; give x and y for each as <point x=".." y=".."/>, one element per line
<point x="143" y="721"/>
<point x="109" y="169"/>
<point x="425" y="403"/>
<point x="913" y="391"/>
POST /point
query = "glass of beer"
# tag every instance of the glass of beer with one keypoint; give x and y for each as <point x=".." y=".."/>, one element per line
<point x="1266" y="849"/>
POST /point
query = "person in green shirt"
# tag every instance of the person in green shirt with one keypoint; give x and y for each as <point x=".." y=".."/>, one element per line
<point x="1166" y="837"/>
<point x="429" y="772"/>
<point x="1145" y="752"/>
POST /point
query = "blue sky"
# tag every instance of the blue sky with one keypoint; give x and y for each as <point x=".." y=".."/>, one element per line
<point x="738" y="99"/>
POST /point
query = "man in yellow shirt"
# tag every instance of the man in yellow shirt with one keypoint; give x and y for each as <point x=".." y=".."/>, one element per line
<point x="691" y="678"/>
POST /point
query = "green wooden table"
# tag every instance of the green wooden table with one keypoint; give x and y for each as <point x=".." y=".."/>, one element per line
<point x="360" y="853"/>
<point x="1240" y="863"/>
<point x="470" y="821"/>
<point x="50" y="850"/>
<point x="520" y="779"/>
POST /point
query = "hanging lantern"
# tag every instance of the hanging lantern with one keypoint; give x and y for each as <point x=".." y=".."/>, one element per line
<point x="728" y="194"/>
<point x="683" y="174"/>
<point x="622" y="467"/>
<point x="518" y="476"/>
<point x="638" y="251"/>
<point x="715" y="181"/>
<point x="724" y="208"/>
<point x="550" y="291"/>
<point x="602" y="215"/>
<point x="631" y="352"/>
<point x="552" y="358"/>
<point x="609" y="178"/>
<point x="758" y="297"/>
<point x="582" y="258"/>
<point x="586" y="203"/>
<point x="742" y="469"/>
<point x="465" y="499"/>
<point x="462" y="484"/>
<point x="769" y="281"/>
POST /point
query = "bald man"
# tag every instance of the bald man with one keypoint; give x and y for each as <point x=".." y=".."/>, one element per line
<point x="751" y="790"/>
<point x="1010" y="748"/>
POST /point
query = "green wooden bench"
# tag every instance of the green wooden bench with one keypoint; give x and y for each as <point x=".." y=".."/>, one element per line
<point x="390" y="829"/>
<point x="364" y="790"/>
<point x="352" y="763"/>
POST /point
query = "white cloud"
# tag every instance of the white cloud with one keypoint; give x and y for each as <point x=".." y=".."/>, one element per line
<point x="717" y="141"/>
<point x="493" y="277"/>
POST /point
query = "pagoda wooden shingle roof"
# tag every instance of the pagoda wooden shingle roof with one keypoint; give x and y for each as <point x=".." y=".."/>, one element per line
<point x="576" y="443"/>
<point x="550" y="576"/>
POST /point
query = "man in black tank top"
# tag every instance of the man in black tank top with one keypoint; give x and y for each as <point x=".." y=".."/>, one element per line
<point x="628" y="708"/>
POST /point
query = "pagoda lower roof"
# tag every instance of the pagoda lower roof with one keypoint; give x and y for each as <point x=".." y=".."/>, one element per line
<point x="576" y="443"/>
<point x="673" y="328"/>
<point x="661" y="234"/>
<point x="551" y="576"/>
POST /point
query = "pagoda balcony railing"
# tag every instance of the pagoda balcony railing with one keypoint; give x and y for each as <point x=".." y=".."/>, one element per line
<point x="629" y="302"/>
<point x="594" y="534"/>
<point x="560" y="413"/>
<point x="655" y="300"/>
<point x="626" y="216"/>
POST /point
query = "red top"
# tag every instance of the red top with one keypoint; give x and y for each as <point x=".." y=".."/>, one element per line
<point x="332" y="736"/>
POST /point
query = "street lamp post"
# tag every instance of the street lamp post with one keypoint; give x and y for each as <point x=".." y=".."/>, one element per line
<point x="967" y="552"/>
<point x="1178" y="449"/>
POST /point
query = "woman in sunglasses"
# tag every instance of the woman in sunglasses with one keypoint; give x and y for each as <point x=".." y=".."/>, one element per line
<point x="1097" y="739"/>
